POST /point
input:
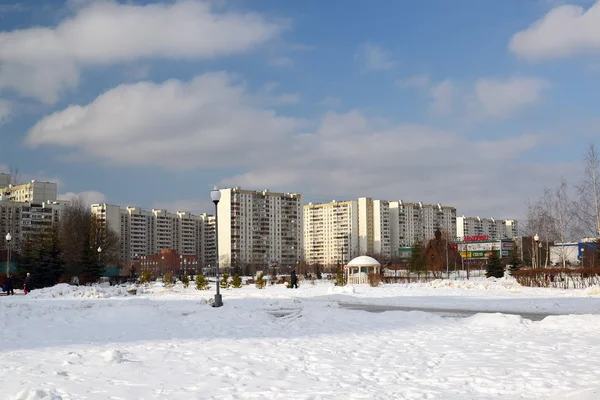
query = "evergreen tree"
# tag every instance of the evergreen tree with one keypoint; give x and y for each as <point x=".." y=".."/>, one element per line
<point x="340" y="277"/>
<point x="260" y="281"/>
<point x="90" y="266"/>
<point x="224" y="281"/>
<point x="514" y="260"/>
<point x="29" y="256"/>
<point x="168" y="279"/>
<point x="417" y="258"/>
<point x="146" y="276"/>
<point x="494" y="266"/>
<point x="185" y="279"/>
<point x="201" y="282"/>
<point x="237" y="281"/>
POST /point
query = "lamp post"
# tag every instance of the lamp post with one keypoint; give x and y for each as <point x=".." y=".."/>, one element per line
<point x="99" y="265"/>
<point x="8" y="239"/>
<point x="215" y="196"/>
<point x="536" y="238"/>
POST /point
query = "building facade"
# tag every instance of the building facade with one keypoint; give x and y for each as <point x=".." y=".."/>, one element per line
<point x="410" y="222"/>
<point x="331" y="232"/>
<point x="493" y="228"/>
<point x="34" y="192"/>
<point x="259" y="228"/>
<point x="145" y="233"/>
<point x="25" y="220"/>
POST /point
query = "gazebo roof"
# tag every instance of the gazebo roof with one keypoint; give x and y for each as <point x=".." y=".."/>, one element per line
<point x="364" y="261"/>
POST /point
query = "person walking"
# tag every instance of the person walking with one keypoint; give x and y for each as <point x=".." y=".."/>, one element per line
<point x="10" y="288"/>
<point x="294" y="279"/>
<point x="27" y="286"/>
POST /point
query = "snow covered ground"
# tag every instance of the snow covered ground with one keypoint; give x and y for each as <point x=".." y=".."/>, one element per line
<point x="66" y="343"/>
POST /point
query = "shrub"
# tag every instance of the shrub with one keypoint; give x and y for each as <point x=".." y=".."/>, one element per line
<point x="146" y="276"/>
<point x="185" y="279"/>
<point x="236" y="281"/>
<point x="168" y="279"/>
<point x="340" y="277"/>
<point x="374" y="280"/>
<point x="201" y="282"/>
<point x="224" y="281"/>
<point x="260" y="281"/>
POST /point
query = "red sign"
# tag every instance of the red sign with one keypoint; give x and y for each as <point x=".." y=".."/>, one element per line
<point x="481" y="238"/>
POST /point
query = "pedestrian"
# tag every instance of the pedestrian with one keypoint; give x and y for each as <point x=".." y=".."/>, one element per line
<point x="294" y="279"/>
<point x="10" y="288"/>
<point x="27" y="286"/>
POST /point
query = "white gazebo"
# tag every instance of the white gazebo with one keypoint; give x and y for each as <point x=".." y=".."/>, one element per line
<point x="358" y="270"/>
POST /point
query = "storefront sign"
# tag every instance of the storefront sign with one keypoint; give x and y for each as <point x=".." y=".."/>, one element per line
<point x="480" y="238"/>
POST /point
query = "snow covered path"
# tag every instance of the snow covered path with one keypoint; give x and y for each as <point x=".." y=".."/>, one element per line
<point x="178" y="347"/>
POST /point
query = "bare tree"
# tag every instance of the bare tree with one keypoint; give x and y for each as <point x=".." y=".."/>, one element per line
<point x="588" y="206"/>
<point x="15" y="179"/>
<point x="561" y="218"/>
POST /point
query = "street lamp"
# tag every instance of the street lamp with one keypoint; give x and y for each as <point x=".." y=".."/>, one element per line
<point x="8" y="239"/>
<point x="536" y="238"/>
<point x="99" y="251"/>
<point x="215" y="196"/>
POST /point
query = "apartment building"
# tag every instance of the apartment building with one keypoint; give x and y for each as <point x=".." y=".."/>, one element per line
<point x="260" y="228"/>
<point x="382" y="244"/>
<point x="34" y="192"/>
<point x="148" y="232"/>
<point x="23" y="220"/>
<point x="410" y="222"/>
<point x="493" y="228"/>
<point x="331" y="232"/>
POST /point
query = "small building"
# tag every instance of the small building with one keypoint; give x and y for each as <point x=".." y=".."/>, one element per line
<point x="440" y="255"/>
<point x="358" y="270"/>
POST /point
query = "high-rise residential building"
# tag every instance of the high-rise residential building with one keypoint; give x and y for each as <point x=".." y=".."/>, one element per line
<point x="23" y="220"/>
<point x="410" y="222"/>
<point x="34" y="192"/>
<point x="493" y="228"/>
<point x="331" y="232"/>
<point x="148" y="232"/>
<point x="259" y="228"/>
<point x="382" y="244"/>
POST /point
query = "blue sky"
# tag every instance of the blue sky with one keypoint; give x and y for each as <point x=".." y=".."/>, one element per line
<point x="474" y="104"/>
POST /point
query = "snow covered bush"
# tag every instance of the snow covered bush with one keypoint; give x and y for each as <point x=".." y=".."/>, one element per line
<point x="225" y="281"/>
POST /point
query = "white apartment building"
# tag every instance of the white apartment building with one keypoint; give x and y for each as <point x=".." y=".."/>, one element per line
<point x="365" y="225"/>
<point x="331" y="232"/>
<point x="34" y="192"/>
<point x="24" y="220"/>
<point x="259" y="228"/>
<point x="145" y="233"/>
<point x="494" y="229"/>
<point x="382" y="245"/>
<point x="417" y="221"/>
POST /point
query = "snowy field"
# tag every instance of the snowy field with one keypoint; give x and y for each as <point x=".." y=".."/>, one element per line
<point x="66" y="343"/>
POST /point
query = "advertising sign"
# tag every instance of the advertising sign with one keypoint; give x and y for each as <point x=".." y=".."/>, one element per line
<point x="508" y="245"/>
<point x="505" y="253"/>
<point x="480" y="238"/>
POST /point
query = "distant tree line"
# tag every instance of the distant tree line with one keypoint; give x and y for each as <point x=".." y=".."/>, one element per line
<point x="70" y="248"/>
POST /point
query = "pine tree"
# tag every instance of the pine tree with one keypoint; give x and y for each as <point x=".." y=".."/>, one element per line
<point x="185" y="279"/>
<point x="91" y="266"/>
<point x="417" y="259"/>
<point x="260" y="281"/>
<point x="514" y="260"/>
<point x="146" y="276"/>
<point x="340" y="277"/>
<point x="168" y="279"/>
<point x="201" y="282"/>
<point x="224" y="281"/>
<point x="494" y="266"/>
<point x="237" y="281"/>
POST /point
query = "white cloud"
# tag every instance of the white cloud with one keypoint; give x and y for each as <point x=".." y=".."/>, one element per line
<point x="501" y="98"/>
<point x="418" y="81"/>
<point x="443" y="95"/>
<point x="43" y="62"/>
<point x="5" y="110"/>
<point x="212" y="121"/>
<point x="89" y="197"/>
<point x="205" y="122"/>
<point x="374" y="57"/>
<point x="331" y="102"/>
<point x="564" y="31"/>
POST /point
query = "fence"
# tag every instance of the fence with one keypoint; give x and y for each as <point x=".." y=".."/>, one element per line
<point x="563" y="278"/>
